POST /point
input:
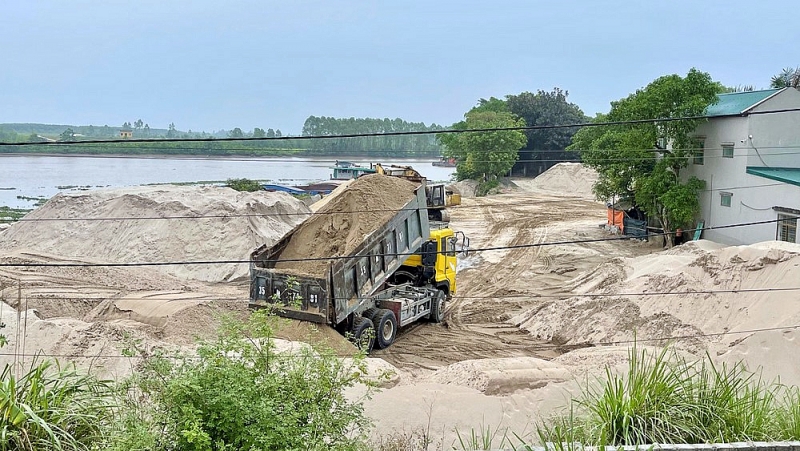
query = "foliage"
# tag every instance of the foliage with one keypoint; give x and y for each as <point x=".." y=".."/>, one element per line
<point x="52" y="408"/>
<point x="787" y="78"/>
<point x="643" y="161"/>
<point x="663" y="398"/>
<point x="67" y="135"/>
<point x="546" y="146"/>
<point x="239" y="393"/>
<point x="8" y="214"/>
<point x="422" y="144"/>
<point x="243" y="185"/>
<point x="484" y="156"/>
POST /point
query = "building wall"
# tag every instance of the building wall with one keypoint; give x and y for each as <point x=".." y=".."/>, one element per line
<point x="752" y="197"/>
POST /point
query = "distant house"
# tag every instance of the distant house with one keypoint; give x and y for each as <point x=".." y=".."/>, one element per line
<point x="750" y="162"/>
<point x="126" y="133"/>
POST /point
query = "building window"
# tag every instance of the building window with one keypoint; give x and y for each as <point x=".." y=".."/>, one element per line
<point x="725" y="199"/>
<point x="727" y="150"/>
<point x="699" y="152"/>
<point x="787" y="228"/>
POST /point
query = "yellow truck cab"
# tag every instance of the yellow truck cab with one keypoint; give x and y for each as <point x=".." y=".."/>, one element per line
<point x="436" y="263"/>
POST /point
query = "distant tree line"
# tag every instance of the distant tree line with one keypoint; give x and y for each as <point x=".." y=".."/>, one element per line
<point x="411" y="145"/>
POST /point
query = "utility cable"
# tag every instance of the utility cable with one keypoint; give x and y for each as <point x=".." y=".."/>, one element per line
<point x="402" y="133"/>
<point x="398" y="254"/>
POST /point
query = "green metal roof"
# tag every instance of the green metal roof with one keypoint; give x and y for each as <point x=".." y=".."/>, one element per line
<point x="785" y="175"/>
<point x="737" y="102"/>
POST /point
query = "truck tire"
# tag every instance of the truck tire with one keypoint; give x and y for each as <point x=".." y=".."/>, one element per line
<point x="385" y="328"/>
<point x="363" y="333"/>
<point x="436" y="314"/>
<point x="370" y="313"/>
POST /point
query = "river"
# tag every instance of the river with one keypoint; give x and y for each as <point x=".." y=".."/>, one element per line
<point x="45" y="176"/>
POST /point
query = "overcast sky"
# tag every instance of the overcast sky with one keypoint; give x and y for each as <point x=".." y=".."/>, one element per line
<point x="209" y="65"/>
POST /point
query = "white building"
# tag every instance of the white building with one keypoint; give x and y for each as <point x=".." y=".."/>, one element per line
<point x="750" y="161"/>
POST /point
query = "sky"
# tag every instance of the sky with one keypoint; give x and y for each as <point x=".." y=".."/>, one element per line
<point x="211" y="65"/>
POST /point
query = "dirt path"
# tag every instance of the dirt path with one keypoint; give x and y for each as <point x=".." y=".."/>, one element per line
<point x="495" y="285"/>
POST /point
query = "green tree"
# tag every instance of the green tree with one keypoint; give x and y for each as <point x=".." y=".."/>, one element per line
<point x="67" y="135"/>
<point x="259" y="133"/>
<point x="484" y="156"/>
<point x="787" y="78"/>
<point x="236" y="133"/>
<point x="172" y="132"/>
<point x="126" y="125"/>
<point x="270" y="133"/>
<point x="642" y="162"/>
<point x="545" y="146"/>
<point x="278" y="133"/>
<point x="147" y="129"/>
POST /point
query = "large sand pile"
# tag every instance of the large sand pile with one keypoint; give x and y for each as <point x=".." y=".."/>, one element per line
<point x="342" y="224"/>
<point x="699" y="267"/>
<point x="235" y="224"/>
<point x="566" y="179"/>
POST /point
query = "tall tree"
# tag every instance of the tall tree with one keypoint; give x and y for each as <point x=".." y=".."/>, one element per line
<point x="236" y="133"/>
<point x="147" y="129"/>
<point x="172" y="132"/>
<point x="259" y="133"/>
<point x="545" y="146"/>
<point x="126" y="125"/>
<point x="787" y="78"/>
<point x="278" y="133"/>
<point x="643" y="161"/>
<point x="270" y="133"/>
<point x="138" y="124"/>
<point x="484" y="156"/>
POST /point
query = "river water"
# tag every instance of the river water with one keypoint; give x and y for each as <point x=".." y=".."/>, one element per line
<point x="45" y="176"/>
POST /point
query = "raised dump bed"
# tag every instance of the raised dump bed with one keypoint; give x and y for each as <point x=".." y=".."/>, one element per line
<point x="330" y="267"/>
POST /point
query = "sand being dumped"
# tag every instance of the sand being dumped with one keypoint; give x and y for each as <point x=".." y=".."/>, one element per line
<point x="344" y="221"/>
<point x="568" y="179"/>
<point x="96" y="225"/>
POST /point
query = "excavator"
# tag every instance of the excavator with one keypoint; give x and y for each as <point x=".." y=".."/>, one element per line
<point x="438" y="197"/>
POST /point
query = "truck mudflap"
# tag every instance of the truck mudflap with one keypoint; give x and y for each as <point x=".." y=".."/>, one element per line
<point x="302" y="298"/>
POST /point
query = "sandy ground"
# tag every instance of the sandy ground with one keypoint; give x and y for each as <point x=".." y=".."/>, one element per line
<point x="524" y="327"/>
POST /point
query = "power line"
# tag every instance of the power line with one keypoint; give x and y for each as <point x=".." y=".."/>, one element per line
<point x="557" y="297"/>
<point x="401" y="133"/>
<point x="399" y="254"/>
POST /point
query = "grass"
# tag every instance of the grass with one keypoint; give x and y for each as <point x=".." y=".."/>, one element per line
<point x="8" y="214"/>
<point x="664" y="398"/>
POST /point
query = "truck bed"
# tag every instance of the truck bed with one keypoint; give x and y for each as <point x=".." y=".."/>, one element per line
<point x="346" y="281"/>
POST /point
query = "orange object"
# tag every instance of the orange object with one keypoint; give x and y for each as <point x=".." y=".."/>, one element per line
<point x="616" y="218"/>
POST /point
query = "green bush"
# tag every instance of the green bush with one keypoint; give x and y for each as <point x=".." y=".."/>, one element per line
<point x="238" y="393"/>
<point x="243" y="184"/>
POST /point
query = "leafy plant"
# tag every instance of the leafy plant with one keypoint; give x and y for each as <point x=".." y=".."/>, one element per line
<point x="240" y="393"/>
<point x="243" y="185"/>
<point x="52" y="408"/>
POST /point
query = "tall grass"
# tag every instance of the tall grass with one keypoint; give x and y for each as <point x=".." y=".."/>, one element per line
<point x="52" y="408"/>
<point x="663" y="398"/>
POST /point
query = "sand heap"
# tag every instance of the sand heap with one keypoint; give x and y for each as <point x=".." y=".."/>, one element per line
<point x="569" y="179"/>
<point x="345" y="220"/>
<point x="231" y="229"/>
<point x="702" y="267"/>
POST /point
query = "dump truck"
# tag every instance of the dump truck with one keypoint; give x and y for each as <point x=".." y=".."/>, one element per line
<point x="437" y="195"/>
<point x="402" y="272"/>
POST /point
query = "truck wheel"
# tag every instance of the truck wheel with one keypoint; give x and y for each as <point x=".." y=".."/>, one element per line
<point x="370" y="313"/>
<point x="385" y="327"/>
<point x="436" y="314"/>
<point x="363" y="333"/>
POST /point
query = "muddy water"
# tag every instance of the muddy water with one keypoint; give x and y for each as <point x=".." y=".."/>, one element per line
<point x="44" y="176"/>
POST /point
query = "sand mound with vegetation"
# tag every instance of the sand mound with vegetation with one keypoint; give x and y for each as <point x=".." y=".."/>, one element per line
<point x="128" y="225"/>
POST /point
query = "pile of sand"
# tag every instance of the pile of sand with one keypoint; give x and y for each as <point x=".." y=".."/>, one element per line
<point x="567" y="179"/>
<point x="693" y="267"/>
<point x="466" y="188"/>
<point x="97" y="225"/>
<point x="342" y="224"/>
